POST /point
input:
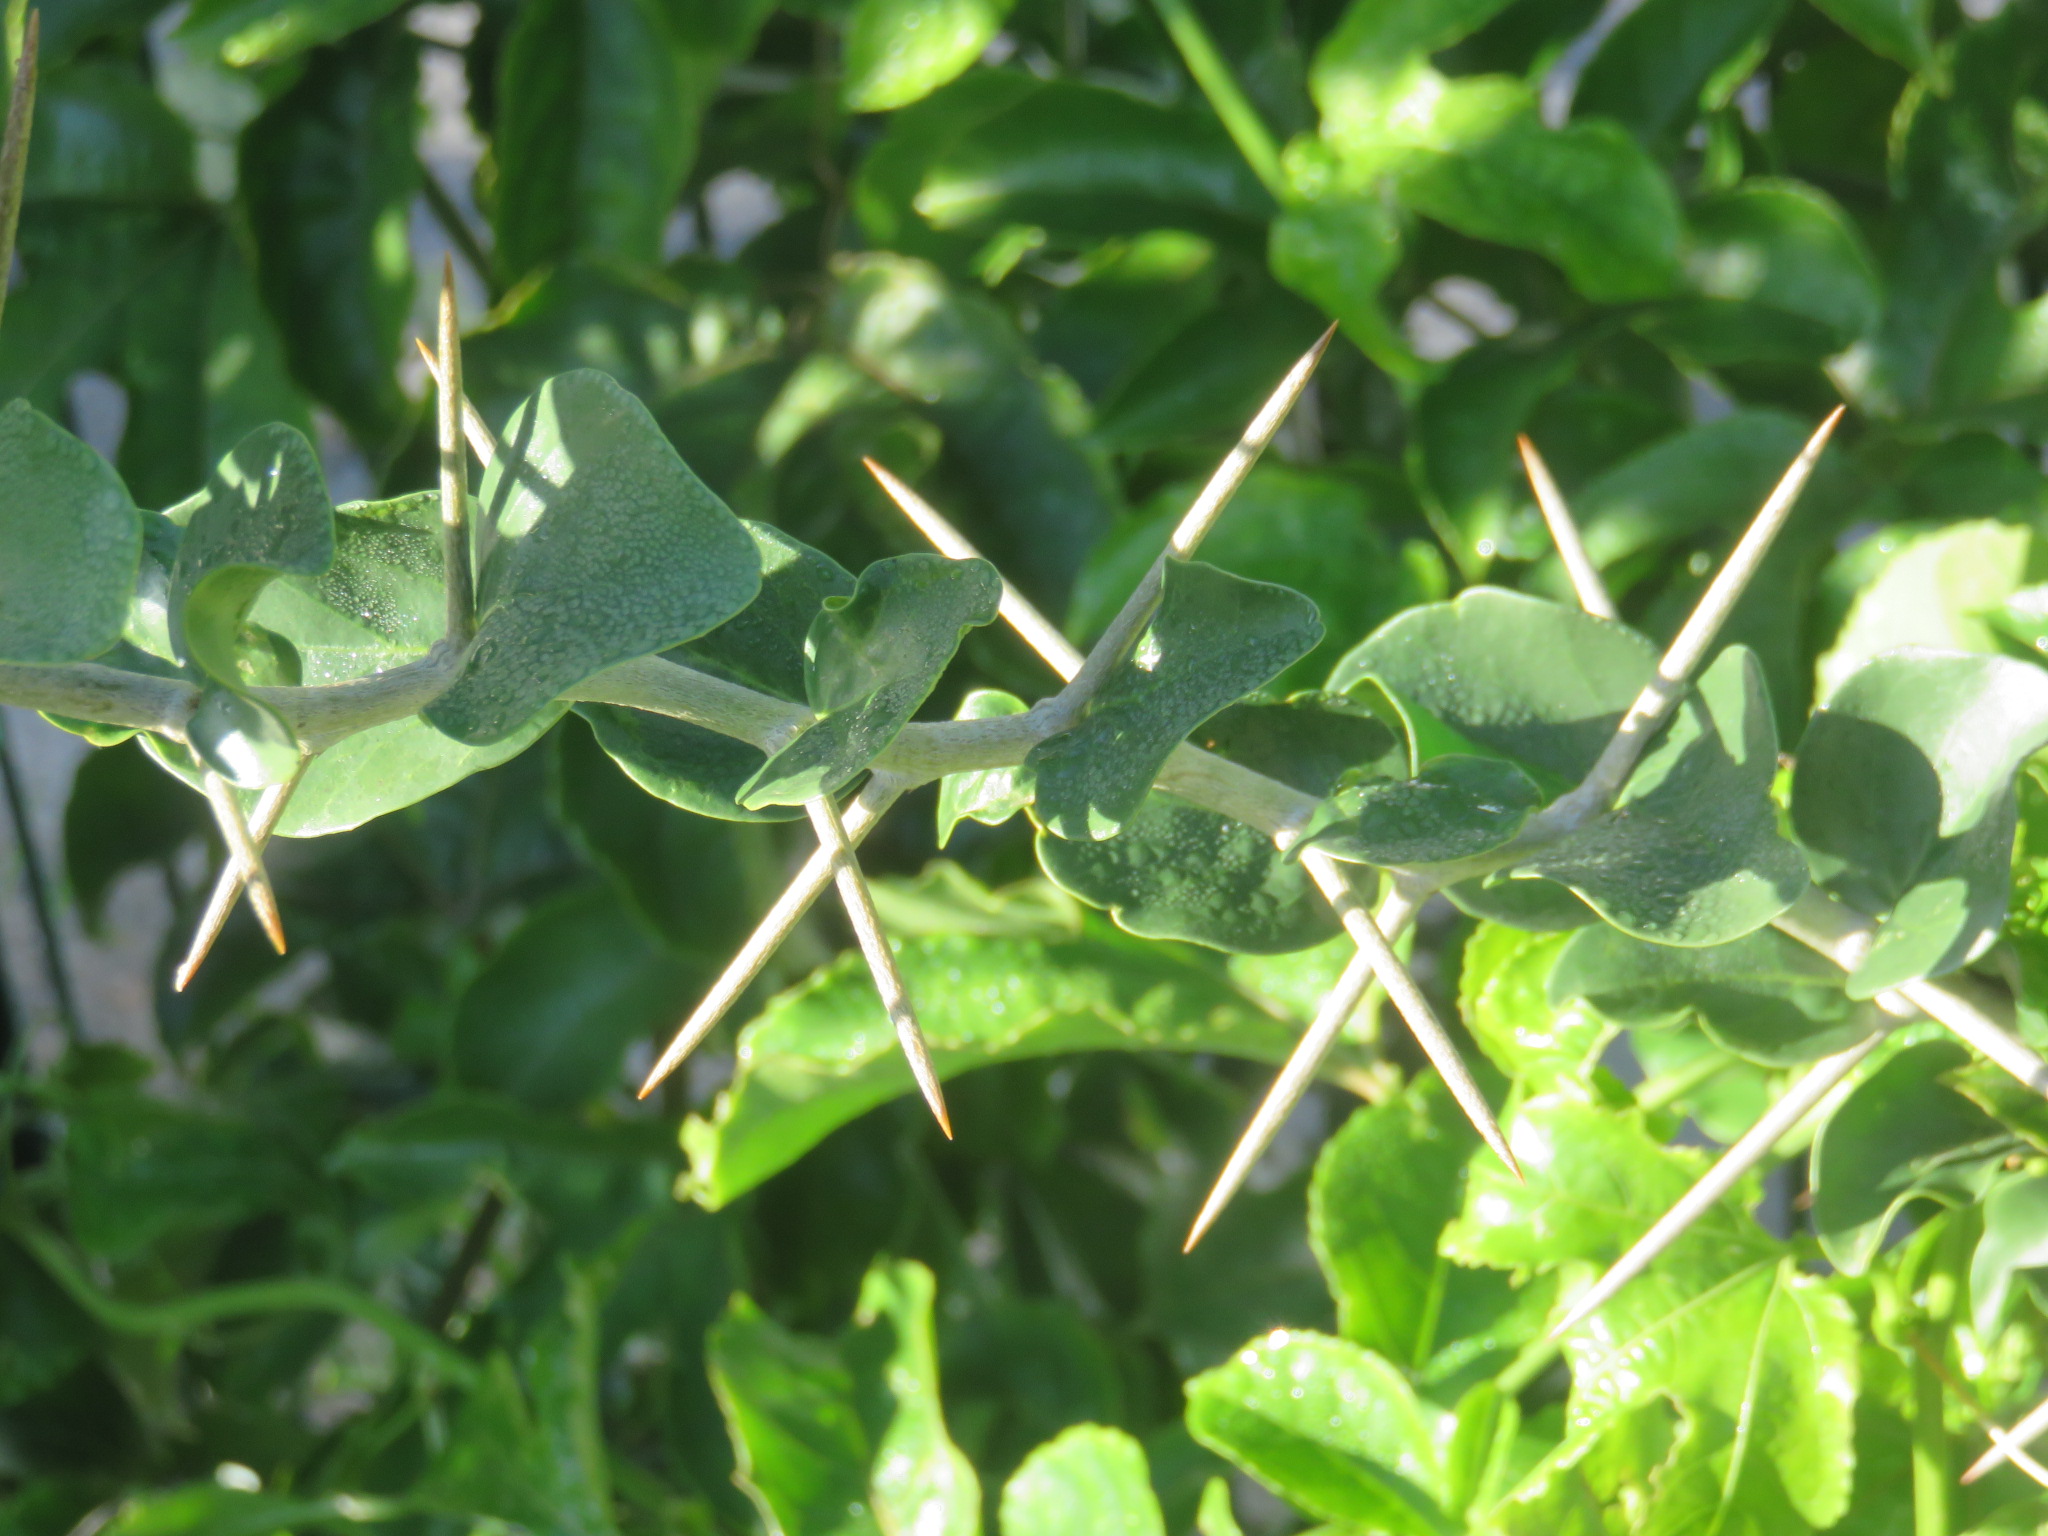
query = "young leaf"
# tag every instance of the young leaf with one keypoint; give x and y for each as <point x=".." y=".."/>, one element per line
<point x="919" y="1481"/>
<point x="1090" y="1479"/>
<point x="73" y="541"/>
<point x="874" y="658"/>
<point x="604" y="548"/>
<point x="990" y="796"/>
<point x="1214" y="638"/>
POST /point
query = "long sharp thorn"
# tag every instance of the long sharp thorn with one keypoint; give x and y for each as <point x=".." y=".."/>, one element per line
<point x="242" y="853"/>
<point x="482" y="442"/>
<point x="21" y="112"/>
<point x="1752" y="1148"/>
<point x="227" y="886"/>
<point x="2022" y="1434"/>
<point x="2001" y="1439"/>
<point x="1033" y="627"/>
<point x="874" y="944"/>
<point x="1564" y="533"/>
<point x="1407" y="997"/>
<point x="868" y="808"/>
<point x="461" y="622"/>
<point x="1287" y="1089"/>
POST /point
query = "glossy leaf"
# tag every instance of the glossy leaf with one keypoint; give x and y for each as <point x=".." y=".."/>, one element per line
<point x="73" y="540"/>
<point x="900" y="51"/>
<point x="603" y="547"/>
<point x="990" y="796"/>
<point x="1455" y="807"/>
<point x="1214" y="638"/>
<point x="1090" y="1481"/>
<point x="871" y="660"/>
<point x="1903" y="799"/>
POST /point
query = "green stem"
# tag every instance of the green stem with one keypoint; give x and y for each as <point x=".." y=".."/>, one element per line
<point x="21" y="111"/>
<point x="1933" y="1476"/>
<point x="187" y="1314"/>
<point x="1656" y="1092"/>
<point x="1241" y="119"/>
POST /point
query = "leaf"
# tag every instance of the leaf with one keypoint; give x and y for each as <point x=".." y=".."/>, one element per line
<point x="821" y="1054"/>
<point x="596" y="134"/>
<point x="1214" y="638"/>
<point x="1455" y="807"/>
<point x="46" y="1335"/>
<point x="900" y="51"/>
<point x="250" y="32"/>
<point x="207" y="1509"/>
<point x="1691" y="852"/>
<point x="1337" y="251"/>
<point x="1902" y="1134"/>
<point x="919" y="1480"/>
<point x="1652" y="71"/>
<point x="1898" y="29"/>
<point x="1090" y="1481"/>
<point x="263" y="513"/>
<point x="2015" y="1238"/>
<point x="688" y="766"/>
<point x="1211" y="377"/>
<point x="1903" y="800"/>
<point x="873" y="658"/>
<point x="1504" y="998"/>
<point x="102" y="134"/>
<point x="1764" y="996"/>
<point x="1330" y="1427"/>
<point x="603" y="548"/>
<point x="328" y="175"/>
<point x="245" y="742"/>
<point x="73" y="540"/>
<point x="764" y="645"/>
<point x="549" y="1017"/>
<point x="1091" y="160"/>
<point x="990" y="796"/>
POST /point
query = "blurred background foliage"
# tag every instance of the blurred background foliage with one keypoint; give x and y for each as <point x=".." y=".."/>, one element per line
<point x="377" y="1233"/>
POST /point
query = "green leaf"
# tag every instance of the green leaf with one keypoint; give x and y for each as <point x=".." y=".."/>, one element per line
<point x="1503" y="996"/>
<point x="1902" y="1134"/>
<point x="1764" y="996"/>
<point x="900" y="51"/>
<point x="873" y="658"/>
<point x="764" y="644"/>
<point x="1691" y="852"/>
<point x="549" y="1018"/>
<point x="250" y="32"/>
<point x="1091" y="1481"/>
<point x="245" y="742"/>
<point x="1336" y="251"/>
<point x="1209" y="378"/>
<point x="1455" y="808"/>
<point x="102" y="134"/>
<point x="2015" y="1238"/>
<point x="1653" y="70"/>
<point x="207" y="1509"/>
<point x="602" y="547"/>
<point x="1214" y="638"/>
<point x="73" y="540"/>
<point x="47" y="1334"/>
<point x="1898" y="29"/>
<point x="1330" y="1427"/>
<point x="1903" y="799"/>
<point x="990" y="796"/>
<point x="684" y="764"/>
<point x="263" y="513"/>
<point x="328" y="175"/>
<point x="919" y="1480"/>
<point x="822" y="1054"/>
<point x="1091" y="160"/>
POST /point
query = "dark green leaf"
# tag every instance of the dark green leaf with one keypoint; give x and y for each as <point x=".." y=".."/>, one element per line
<point x="763" y="645"/>
<point x="73" y="540"/>
<point x="601" y="547"/>
<point x="1455" y="807"/>
<point x="1090" y="1481"/>
<point x="1895" y="28"/>
<point x="681" y="763"/>
<point x="43" y="1332"/>
<point x="1652" y="70"/>
<point x="207" y="1509"/>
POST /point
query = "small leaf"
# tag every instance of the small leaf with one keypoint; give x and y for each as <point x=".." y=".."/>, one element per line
<point x="686" y="765"/>
<point x="1090" y="1481"/>
<point x="1455" y="808"/>
<point x="990" y="796"/>
<point x="603" y="548"/>
<point x="2015" y="1238"/>
<point x="1503" y="996"/>
<point x="1214" y="638"/>
<point x="874" y="658"/>
<point x="248" y="32"/>
<point x="73" y="539"/>
<point x="900" y="51"/>
<point x="242" y="741"/>
<point x="919" y="1481"/>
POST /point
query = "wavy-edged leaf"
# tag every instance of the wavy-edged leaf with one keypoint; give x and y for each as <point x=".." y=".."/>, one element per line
<point x="872" y="659"/>
<point x="1090" y="1480"/>
<point x="602" y="547"/>
<point x="1903" y="798"/>
<point x="73" y="540"/>
<point x="1455" y="807"/>
<point x="1214" y="638"/>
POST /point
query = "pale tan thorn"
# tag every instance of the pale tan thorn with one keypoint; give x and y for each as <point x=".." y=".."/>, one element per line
<point x="1564" y="533"/>
<point x="242" y="855"/>
<point x="2005" y="1443"/>
<point x="1199" y="519"/>
<point x="1751" y="1148"/>
<point x="21" y="113"/>
<point x="876" y="796"/>
<point x="482" y="442"/>
<point x="1033" y="627"/>
<point x="874" y="944"/>
<point x="454" y="477"/>
<point x="227" y="886"/>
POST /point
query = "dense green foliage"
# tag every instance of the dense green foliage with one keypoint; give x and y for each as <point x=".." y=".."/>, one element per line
<point x="375" y="1235"/>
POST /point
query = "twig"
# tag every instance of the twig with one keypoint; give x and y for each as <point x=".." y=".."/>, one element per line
<point x="228" y="883"/>
<point x="1200" y="518"/>
<point x="1752" y="1148"/>
<point x="2008" y="1445"/>
<point x="476" y="1242"/>
<point x="454" y="471"/>
<point x="242" y="853"/>
<point x="21" y="112"/>
<point x="1564" y="533"/>
<point x="874" y="944"/>
<point x="875" y="798"/>
<point x="482" y="441"/>
<point x="1241" y="120"/>
<point x="42" y="898"/>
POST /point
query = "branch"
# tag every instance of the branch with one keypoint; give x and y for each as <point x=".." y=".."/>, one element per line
<point x="21" y="112"/>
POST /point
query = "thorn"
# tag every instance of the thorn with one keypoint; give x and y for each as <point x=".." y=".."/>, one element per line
<point x="1564" y="533"/>
<point x="874" y="944"/>
<point x="482" y="442"/>
<point x="455" y="552"/>
<point x="2003" y="1443"/>
<point x="242" y="852"/>
<point x="228" y="883"/>
<point x="875" y="798"/>
<point x="21" y="112"/>
<point x="1036" y="630"/>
